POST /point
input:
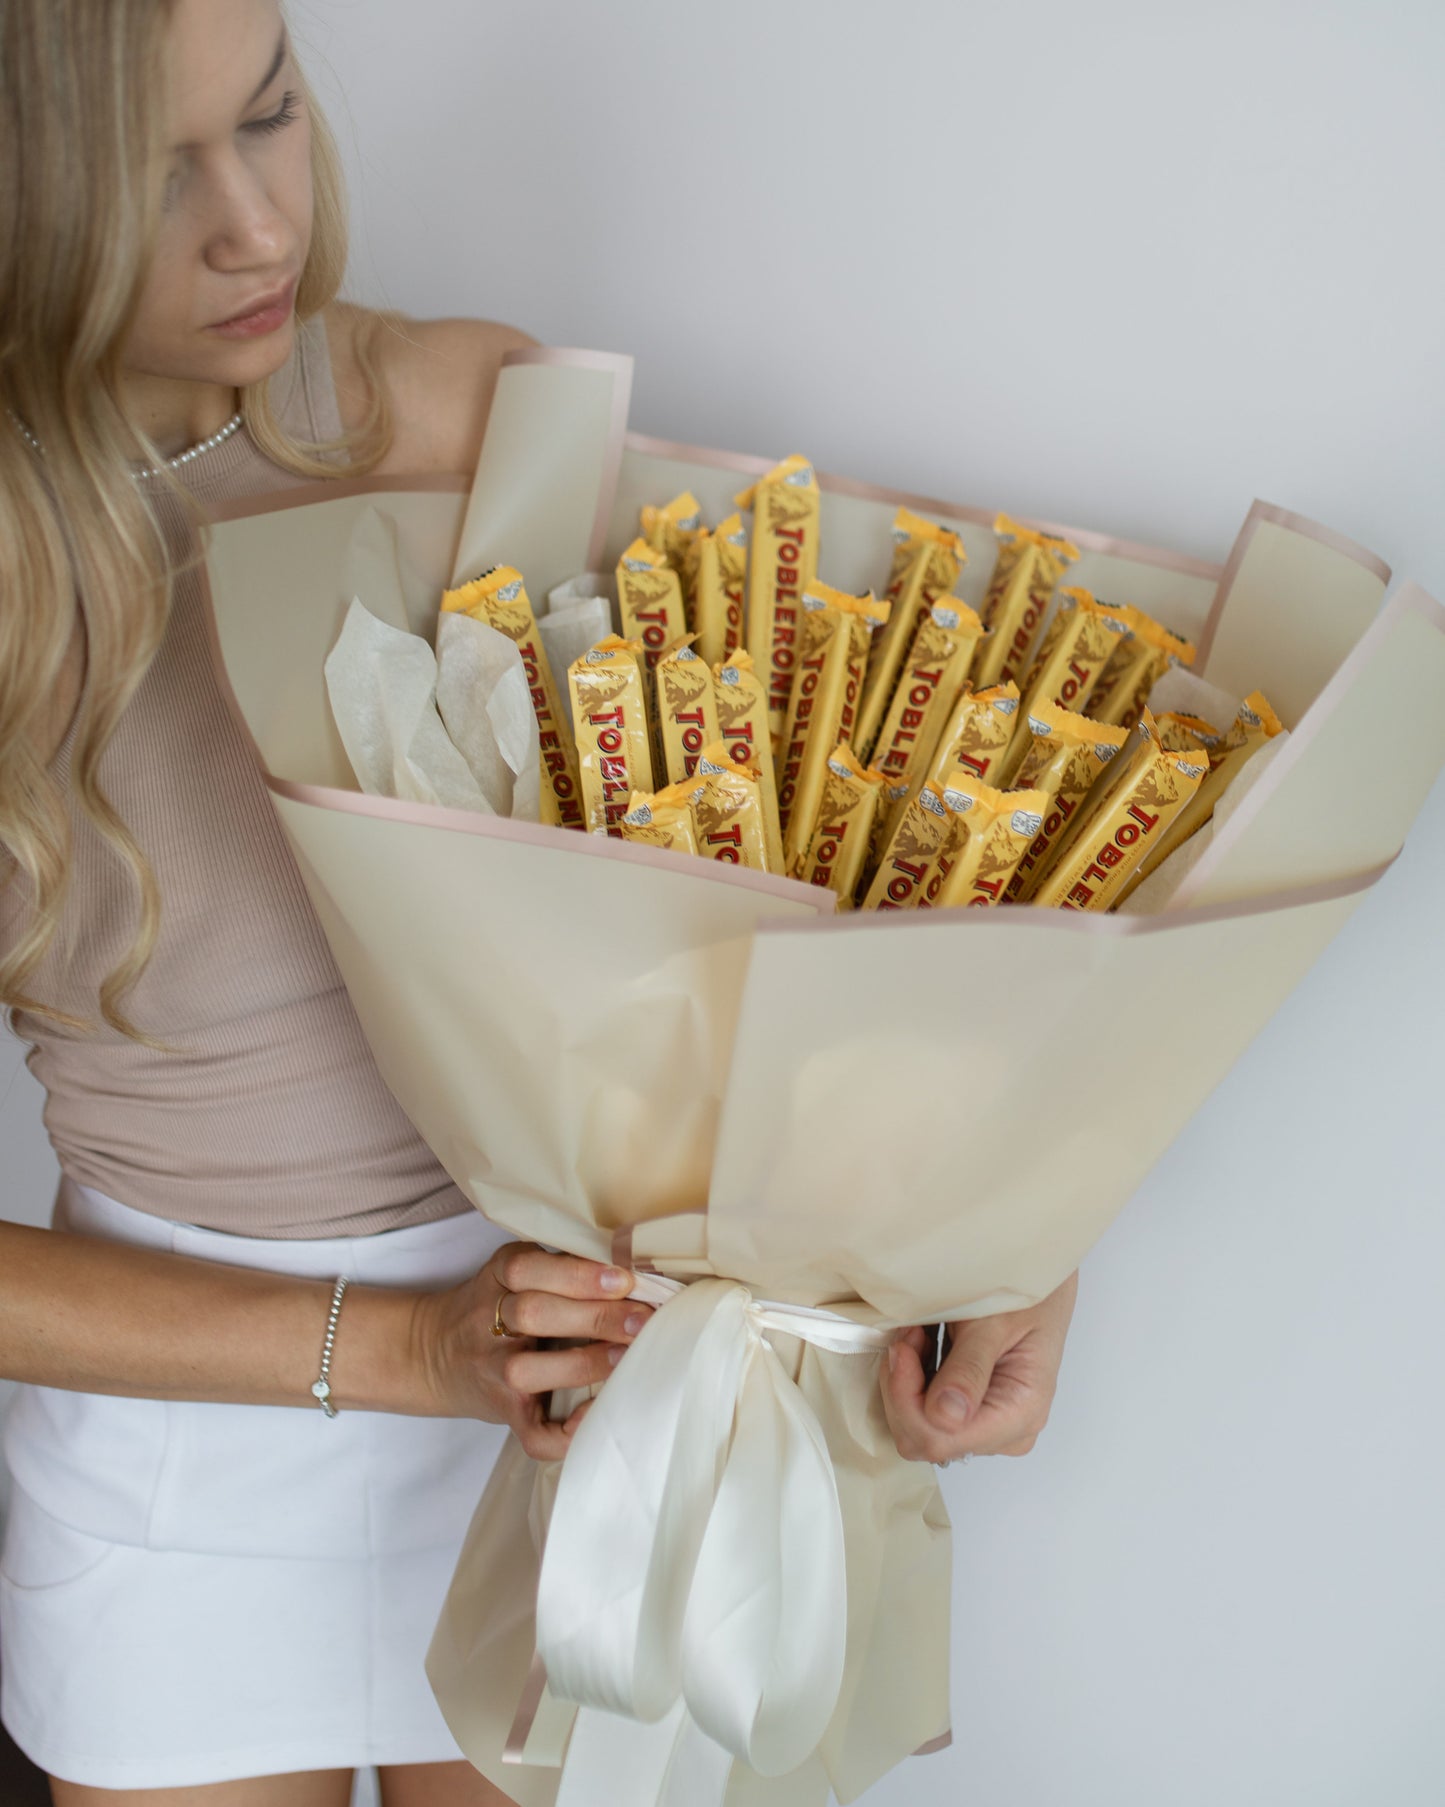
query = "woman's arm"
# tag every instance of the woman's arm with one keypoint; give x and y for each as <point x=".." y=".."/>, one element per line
<point x="100" y="1317"/>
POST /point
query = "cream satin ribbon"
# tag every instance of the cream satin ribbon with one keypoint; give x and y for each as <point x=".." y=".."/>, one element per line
<point x="693" y="1598"/>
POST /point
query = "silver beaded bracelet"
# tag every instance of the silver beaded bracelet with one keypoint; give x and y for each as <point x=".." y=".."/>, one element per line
<point x="321" y="1386"/>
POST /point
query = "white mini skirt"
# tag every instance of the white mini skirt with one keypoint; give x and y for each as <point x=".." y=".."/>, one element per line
<point x="197" y="1593"/>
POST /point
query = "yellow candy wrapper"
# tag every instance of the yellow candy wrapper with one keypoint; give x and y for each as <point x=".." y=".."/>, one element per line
<point x="649" y="593"/>
<point x="686" y="710"/>
<point x="1136" y="666"/>
<point x="823" y="709"/>
<point x="742" y="718"/>
<point x="609" y="711"/>
<point x="1187" y="733"/>
<point x="913" y="848"/>
<point x="1067" y="754"/>
<point x="1255" y="725"/>
<point x="979" y="728"/>
<point x="727" y="810"/>
<point x="1077" y="646"/>
<point x="926" y="562"/>
<point x="499" y="598"/>
<point x="1139" y="794"/>
<point x="928" y="687"/>
<point x="673" y="529"/>
<point x="844" y="827"/>
<point x="1030" y="564"/>
<point x="662" y="820"/>
<point x="992" y="831"/>
<point x="787" y="506"/>
<point x="718" y="565"/>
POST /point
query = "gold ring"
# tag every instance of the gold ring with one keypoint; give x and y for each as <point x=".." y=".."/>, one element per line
<point x="498" y="1327"/>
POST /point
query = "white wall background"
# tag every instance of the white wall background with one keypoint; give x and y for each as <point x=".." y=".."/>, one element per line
<point x="1125" y="265"/>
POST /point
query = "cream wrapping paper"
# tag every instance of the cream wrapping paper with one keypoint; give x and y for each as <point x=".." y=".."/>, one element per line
<point x="618" y="1037"/>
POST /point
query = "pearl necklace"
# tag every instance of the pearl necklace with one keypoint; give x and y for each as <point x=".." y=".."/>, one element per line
<point x="232" y="427"/>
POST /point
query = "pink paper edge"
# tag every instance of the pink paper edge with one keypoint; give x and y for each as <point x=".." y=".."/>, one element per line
<point x="557" y="840"/>
<point x="747" y="465"/>
<point x="1410" y="599"/>
<point x="1040" y="920"/>
<point x="1294" y="523"/>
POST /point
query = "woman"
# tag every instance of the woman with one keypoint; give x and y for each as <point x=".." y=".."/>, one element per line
<point x="198" y="1602"/>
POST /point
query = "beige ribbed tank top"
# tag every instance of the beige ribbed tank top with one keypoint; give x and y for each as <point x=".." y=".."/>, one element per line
<point x="269" y="1117"/>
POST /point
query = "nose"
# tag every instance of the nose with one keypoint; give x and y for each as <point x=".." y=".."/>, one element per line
<point x="251" y="231"/>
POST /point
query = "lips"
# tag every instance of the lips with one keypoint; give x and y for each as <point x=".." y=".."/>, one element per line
<point x="262" y="312"/>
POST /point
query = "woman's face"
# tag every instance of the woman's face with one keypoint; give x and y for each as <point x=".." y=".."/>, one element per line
<point x="236" y="222"/>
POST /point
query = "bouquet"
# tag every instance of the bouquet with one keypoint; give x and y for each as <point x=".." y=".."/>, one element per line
<point x="804" y="1125"/>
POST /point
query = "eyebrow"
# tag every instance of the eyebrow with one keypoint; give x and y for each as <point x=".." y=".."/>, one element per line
<point x="273" y="71"/>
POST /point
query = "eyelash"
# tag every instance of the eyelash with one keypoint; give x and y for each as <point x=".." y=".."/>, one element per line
<point x="288" y="111"/>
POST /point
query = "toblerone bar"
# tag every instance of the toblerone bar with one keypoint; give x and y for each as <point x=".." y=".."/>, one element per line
<point x="913" y="848"/>
<point x="727" y="810"/>
<point x="844" y="827"/>
<point x="786" y="507"/>
<point x="742" y="718"/>
<point x="978" y="731"/>
<point x="610" y="714"/>
<point x="823" y="708"/>
<point x="499" y="598"/>
<point x="663" y="820"/>
<point x="1255" y="725"/>
<point x="926" y="562"/>
<point x="1137" y="796"/>
<point x="649" y="593"/>
<point x="686" y="710"/>
<point x="672" y="531"/>
<point x="1077" y="646"/>
<point x="1067" y="754"/>
<point x="928" y="687"/>
<point x="718" y="565"/>
<point x="1136" y="666"/>
<point x="1015" y="610"/>
<point x="992" y="831"/>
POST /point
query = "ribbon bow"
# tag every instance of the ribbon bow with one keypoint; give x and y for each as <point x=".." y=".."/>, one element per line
<point x="693" y="1598"/>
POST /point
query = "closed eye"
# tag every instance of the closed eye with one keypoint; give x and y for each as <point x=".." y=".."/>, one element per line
<point x="289" y="110"/>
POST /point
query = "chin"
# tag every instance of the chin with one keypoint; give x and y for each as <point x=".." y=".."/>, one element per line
<point x="244" y="362"/>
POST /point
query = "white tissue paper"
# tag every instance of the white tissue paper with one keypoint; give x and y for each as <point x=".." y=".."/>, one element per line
<point x="580" y="612"/>
<point x="486" y="707"/>
<point x="383" y="686"/>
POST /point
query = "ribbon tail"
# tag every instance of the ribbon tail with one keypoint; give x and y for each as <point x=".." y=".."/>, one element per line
<point x="611" y="1759"/>
<point x="766" y="1625"/>
<point x="700" y="1770"/>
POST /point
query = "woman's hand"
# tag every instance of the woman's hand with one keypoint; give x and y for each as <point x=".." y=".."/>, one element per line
<point x="992" y="1392"/>
<point x="472" y="1373"/>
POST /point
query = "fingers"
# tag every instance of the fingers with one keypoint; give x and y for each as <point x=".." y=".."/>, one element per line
<point x="905" y="1381"/>
<point x="548" y="1314"/>
<point x="972" y="1406"/>
<point x="523" y="1267"/>
<point x="543" y="1439"/>
<point x="535" y="1371"/>
<point x="959" y="1388"/>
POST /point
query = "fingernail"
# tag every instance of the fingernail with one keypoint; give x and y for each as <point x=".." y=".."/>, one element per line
<point x="633" y="1322"/>
<point x="614" y="1280"/>
<point x="615" y="1355"/>
<point x="953" y="1405"/>
<point x="892" y="1357"/>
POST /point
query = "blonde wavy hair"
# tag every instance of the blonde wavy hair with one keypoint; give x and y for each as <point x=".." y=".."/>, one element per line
<point x="82" y="168"/>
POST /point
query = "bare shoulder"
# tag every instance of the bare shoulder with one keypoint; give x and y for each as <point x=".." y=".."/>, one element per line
<point x="440" y="375"/>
